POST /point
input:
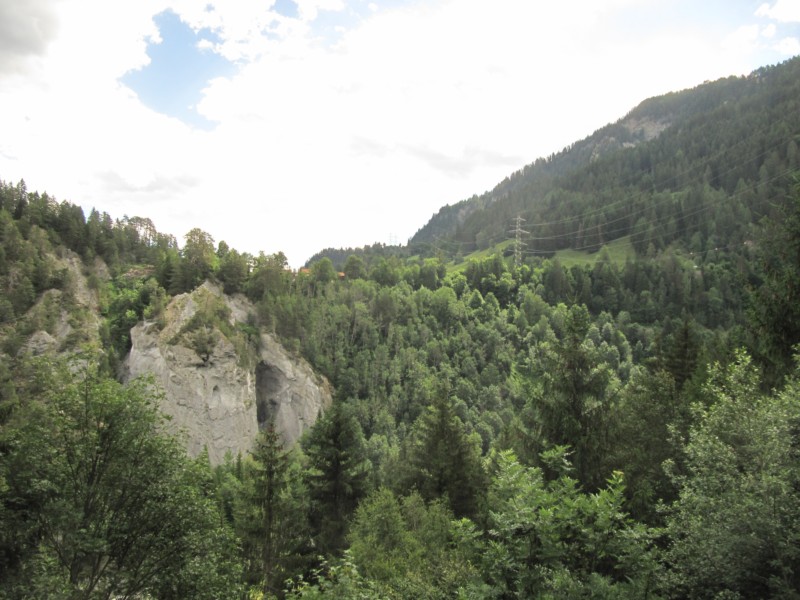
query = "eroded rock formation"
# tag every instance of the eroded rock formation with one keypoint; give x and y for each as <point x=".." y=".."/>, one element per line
<point x="220" y="403"/>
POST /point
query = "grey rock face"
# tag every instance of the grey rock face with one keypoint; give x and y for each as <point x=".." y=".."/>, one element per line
<point x="289" y="393"/>
<point x="221" y="403"/>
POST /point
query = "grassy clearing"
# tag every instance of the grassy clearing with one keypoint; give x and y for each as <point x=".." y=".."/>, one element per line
<point x="618" y="251"/>
<point x="479" y="255"/>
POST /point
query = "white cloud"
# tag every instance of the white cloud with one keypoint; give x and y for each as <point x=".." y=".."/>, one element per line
<point x="410" y="109"/>
<point x="745" y="39"/>
<point x="100" y="41"/>
<point x="309" y="9"/>
<point x="784" y="11"/>
<point x="789" y="46"/>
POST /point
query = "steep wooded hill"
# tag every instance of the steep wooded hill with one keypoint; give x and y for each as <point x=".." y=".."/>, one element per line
<point x="696" y="167"/>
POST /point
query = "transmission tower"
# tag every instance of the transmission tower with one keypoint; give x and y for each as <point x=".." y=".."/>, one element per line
<point x="518" y="243"/>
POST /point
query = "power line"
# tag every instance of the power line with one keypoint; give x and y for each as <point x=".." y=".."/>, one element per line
<point x="518" y="243"/>
<point x="681" y="217"/>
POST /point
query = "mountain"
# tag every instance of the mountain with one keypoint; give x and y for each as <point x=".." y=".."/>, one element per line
<point x="694" y="167"/>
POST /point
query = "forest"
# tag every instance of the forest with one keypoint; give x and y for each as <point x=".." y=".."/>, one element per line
<point x="504" y="425"/>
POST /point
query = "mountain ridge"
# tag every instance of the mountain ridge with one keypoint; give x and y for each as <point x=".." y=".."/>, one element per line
<point x="682" y="118"/>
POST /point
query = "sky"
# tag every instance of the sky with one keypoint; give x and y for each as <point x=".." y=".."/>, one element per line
<point x="297" y="125"/>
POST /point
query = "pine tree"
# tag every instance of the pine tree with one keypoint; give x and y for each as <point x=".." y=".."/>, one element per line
<point x="775" y="304"/>
<point x="270" y="519"/>
<point x="572" y="403"/>
<point x="337" y="477"/>
<point x="444" y="460"/>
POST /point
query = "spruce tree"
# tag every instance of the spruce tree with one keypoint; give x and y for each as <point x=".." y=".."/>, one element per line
<point x="270" y="516"/>
<point x="337" y="476"/>
<point x="444" y="460"/>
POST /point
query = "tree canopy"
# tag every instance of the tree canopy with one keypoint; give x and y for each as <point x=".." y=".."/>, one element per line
<point x="97" y="502"/>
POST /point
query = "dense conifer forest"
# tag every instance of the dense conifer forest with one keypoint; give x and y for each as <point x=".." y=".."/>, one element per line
<point x="547" y="418"/>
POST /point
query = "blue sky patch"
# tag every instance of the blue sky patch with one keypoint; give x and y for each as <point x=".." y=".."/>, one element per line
<point x="286" y="8"/>
<point x="178" y="71"/>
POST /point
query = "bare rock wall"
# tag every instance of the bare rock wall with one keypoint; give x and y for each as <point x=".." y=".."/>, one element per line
<point x="221" y="403"/>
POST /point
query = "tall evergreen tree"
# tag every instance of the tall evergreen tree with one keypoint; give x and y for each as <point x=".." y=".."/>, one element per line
<point x="338" y="475"/>
<point x="573" y="401"/>
<point x="681" y="352"/>
<point x="444" y="461"/>
<point x="775" y="304"/>
<point x="270" y="519"/>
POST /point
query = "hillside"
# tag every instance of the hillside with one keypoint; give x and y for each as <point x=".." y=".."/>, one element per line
<point x="695" y="167"/>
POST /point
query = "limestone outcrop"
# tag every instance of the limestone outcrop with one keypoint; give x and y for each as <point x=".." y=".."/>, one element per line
<point x="66" y="321"/>
<point x="241" y="381"/>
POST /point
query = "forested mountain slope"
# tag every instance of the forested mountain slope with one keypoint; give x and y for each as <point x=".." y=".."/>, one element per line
<point x="696" y="167"/>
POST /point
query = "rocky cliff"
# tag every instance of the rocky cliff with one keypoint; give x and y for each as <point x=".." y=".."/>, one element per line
<point x="65" y="321"/>
<point x="222" y="379"/>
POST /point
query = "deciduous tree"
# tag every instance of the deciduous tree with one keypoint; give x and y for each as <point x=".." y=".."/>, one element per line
<point x="735" y="527"/>
<point x="97" y="502"/>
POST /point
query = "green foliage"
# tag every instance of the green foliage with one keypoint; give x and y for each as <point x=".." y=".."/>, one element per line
<point x="323" y="272"/>
<point x="700" y="182"/>
<point x="643" y="266"/>
<point x="338" y="580"/>
<point x="775" y="303"/>
<point x="199" y="260"/>
<point x="233" y="269"/>
<point x="444" y="461"/>
<point x="269" y="509"/>
<point x="651" y="415"/>
<point x="573" y="391"/>
<point x="26" y="266"/>
<point x="355" y="268"/>
<point x="411" y="549"/>
<point x="618" y="252"/>
<point x="548" y="539"/>
<point x="380" y="540"/>
<point x="203" y="340"/>
<point x="385" y="272"/>
<point x="734" y="527"/>
<point x="98" y="502"/>
<point x="337" y="477"/>
<point x="268" y="277"/>
<point x="128" y="300"/>
<point x="210" y="323"/>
